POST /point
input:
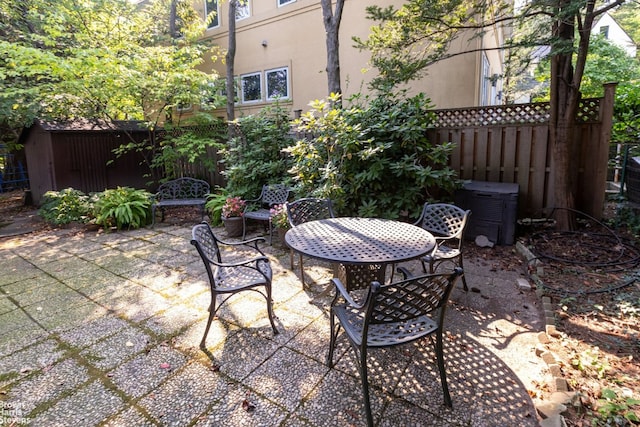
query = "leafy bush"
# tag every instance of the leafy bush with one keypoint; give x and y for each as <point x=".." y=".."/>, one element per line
<point x="214" y="205"/>
<point x="372" y="159"/>
<point x="65" y="206"/>
<point x="123" y="207"/>
<point x="254" y="157"/>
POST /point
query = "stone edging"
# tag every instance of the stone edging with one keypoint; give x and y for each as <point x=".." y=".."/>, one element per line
<point x="552" y="409"/>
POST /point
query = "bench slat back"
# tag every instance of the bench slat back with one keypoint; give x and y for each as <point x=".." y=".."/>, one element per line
<point x="183" y="188"/>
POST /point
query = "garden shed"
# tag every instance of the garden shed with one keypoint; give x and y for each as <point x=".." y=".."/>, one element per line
<point x="79" y="154"/>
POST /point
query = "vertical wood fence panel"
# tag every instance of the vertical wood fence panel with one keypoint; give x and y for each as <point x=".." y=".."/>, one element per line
<point x="511" y="144"/>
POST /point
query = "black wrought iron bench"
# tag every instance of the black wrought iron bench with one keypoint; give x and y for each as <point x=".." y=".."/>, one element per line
<point x="180" y="192"/>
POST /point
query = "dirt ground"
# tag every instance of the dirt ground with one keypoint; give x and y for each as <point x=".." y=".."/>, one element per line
<point x="592" y="278"/>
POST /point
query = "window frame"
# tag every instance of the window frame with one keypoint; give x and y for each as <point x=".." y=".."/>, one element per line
<point x="268" y="97"/>
<point x="282" y="3"/>
<point x="242" y="89"/>
<point x="247" y="7"/>
<point x="207" y="12"/>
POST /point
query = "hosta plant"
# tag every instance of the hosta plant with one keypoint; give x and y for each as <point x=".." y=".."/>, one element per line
<point x="123" y="207"/>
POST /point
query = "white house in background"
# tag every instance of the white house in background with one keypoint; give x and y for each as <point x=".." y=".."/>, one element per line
<point x="611" y="30"/>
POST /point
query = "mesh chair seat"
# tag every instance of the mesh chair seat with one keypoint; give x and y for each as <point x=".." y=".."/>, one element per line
<point x="230" y="279"/>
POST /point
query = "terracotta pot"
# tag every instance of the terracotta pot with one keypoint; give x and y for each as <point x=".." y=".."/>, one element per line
<point x="233" y="226"/>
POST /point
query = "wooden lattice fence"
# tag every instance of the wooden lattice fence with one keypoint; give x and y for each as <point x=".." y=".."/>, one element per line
<point x="510" y="143"/>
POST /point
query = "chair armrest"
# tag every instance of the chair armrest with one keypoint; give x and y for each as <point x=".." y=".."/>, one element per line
<point x="406" y="274"/>
<point x="252" y="243"/>
<point x="243" y="263"/>
<point x="342" y="290"/>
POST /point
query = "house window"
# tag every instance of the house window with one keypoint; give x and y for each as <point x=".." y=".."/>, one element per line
<point x="604" y="31"/>
<point x="484" y="81"/>
<point x="277" y="82"/>
<point x="284" y="2"/>
<point x="212" y="13"/>
<point x="242" y="10"/>
<point x="223" y="91"/>
<point x="251" y="85"/>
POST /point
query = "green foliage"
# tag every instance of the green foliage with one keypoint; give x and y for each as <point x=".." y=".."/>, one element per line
<point x="214" y="205"/>
<point x="106" y="59"/>
<point x="372" y="159"/>
<point x="616" y="410"/>
<point x="188" y="145"/>
<point x="123" y="207"/>
<point x="63" y="207"/>
<point x="626" y="113"/>
<point x="606" y="62"/>
<point x="254" y="157"/>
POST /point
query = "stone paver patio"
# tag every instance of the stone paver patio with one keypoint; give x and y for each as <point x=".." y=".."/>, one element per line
<point x="103" y="329"/>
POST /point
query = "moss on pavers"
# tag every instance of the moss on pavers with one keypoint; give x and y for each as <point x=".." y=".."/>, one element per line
<point x="131" y="416"/>
<point x="287" y="377"/>
<point x="89" y="406"/>
<point x="186" y="395"/>
<point x="91" y="332"/>
<point x="31" y="359"/>
<point x="68" y="267"/>
<point x="17" y="339"/>
<point x="146" y="371"/>
<point x="95" y="279"/>
<point x="72" y="316"/>
<point x="240" y="353"/>
<point x="47" y="385"/>
<point x="243" y="407"/>
<point x="111" y="352"/>
<point x="41" y="291"/>
<point x="174" y="320"/>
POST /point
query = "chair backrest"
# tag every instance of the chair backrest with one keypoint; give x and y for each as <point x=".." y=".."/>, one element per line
<point x="205" y="241"/>
<point x="409" y="299"/>
<point x="274" y="194"/>
<point x="444" y="220"/>
<point x="308" y="209"/>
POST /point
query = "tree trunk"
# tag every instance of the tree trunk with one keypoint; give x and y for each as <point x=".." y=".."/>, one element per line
<point x="332" y="27"/>
<point x="230" y="59"/>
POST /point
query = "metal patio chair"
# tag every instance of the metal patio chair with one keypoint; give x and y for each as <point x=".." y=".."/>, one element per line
<point x="230" y="277"/>
<point x="447" y="223"/>
<point x="391" y="315"/>
<point x="260" y="209"/>
<point x="305" y="210"/>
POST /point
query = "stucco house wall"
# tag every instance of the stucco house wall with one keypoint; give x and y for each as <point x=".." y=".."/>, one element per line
<point x="293" y="36"/>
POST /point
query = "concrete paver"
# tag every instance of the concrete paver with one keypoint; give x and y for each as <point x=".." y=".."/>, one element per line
<point x="104" y="328"/>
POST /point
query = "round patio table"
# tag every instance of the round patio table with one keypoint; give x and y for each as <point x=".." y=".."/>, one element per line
<point x="361" y="247"/>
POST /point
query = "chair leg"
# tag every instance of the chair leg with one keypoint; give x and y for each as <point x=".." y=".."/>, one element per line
<point x="301" y="271"/>
<point x="464" y="277"/>
<point x="332" y="339"/>
<point x="443" y="374"/>
<point x="244" y="227"/>
<point x="212" y="314"/>
<point x="270" y="310"/>
<point x="365" y="386"/>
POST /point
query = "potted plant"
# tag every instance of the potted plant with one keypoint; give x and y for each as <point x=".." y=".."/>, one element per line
<point x="232" y="211"/>
<point x="279" y="220"/>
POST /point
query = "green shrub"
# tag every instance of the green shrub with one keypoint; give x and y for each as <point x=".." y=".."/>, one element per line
<point x="65" y="206"/>
<point x="254" y="157"/>
<point x="372" y="159"/>
<point x="123" y="207"/>
<point x="214" y="205"/>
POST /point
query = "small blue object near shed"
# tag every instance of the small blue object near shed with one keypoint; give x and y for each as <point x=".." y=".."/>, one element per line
<point x="80" y="154"/>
